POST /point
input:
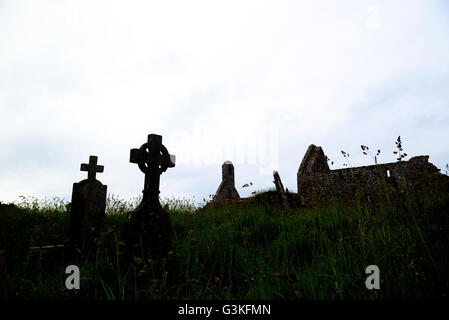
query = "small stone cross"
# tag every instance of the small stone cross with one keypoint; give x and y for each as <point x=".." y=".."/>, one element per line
<point x="92" y="168"/>
<point x="88" y="205"/>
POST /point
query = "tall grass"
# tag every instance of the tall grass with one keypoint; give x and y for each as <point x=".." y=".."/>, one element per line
<point x="258" y="250"/>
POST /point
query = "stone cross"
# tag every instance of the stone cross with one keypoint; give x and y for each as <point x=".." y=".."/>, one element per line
<point x="92" y="168"/>
<point x="149" y="224"/>
<point x="88" y="204"/>
<point x="153" y="159"/>
<point x="226" y="190"/>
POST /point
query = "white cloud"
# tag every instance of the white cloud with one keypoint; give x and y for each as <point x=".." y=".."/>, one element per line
<point x="218" y="80"/>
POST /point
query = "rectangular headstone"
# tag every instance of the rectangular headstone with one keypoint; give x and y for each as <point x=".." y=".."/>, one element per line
<point x="280" y="187"/>
<point x="88" y="203"/>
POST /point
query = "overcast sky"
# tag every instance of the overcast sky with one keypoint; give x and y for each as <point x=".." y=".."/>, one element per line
<point x="253" y="82"/>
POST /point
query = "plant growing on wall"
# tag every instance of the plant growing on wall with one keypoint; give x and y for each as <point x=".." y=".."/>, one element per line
<point x="346" y="155"/>
<point x="399" y="152"/>
<point x="366" y="152"/>
<point x="246" y="185"/>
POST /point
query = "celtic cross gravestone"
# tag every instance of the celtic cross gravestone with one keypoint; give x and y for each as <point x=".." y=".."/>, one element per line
<point x="148" y="227"/>
<point x="88" y="204"/>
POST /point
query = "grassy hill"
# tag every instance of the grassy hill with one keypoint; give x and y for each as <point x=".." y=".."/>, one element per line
<point x="258" y="249"/>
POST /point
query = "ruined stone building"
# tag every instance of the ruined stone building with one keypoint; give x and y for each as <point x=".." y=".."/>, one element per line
<point x="317" y="182"/>
<point x="226" y="190"/>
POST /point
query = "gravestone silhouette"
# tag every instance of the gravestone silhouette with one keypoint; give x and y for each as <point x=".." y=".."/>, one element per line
<point x="88" y="203"/>
<point x="147" y="228"/>
<point x="280" y="187"/>
<point x="227" y="190"/>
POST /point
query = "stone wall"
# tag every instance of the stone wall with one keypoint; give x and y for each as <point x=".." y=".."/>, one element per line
<point x="317" y="182"/>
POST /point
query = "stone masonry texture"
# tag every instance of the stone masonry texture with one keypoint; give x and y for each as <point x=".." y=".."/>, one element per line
<point x="316" y="182"/>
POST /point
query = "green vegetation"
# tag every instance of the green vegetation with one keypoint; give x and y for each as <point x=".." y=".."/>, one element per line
<point x="259" y="250"/>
